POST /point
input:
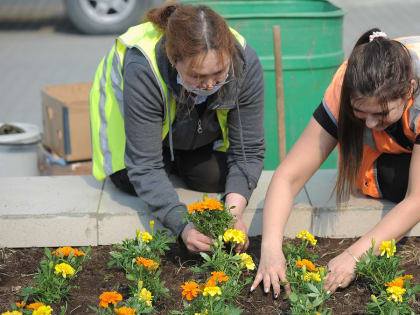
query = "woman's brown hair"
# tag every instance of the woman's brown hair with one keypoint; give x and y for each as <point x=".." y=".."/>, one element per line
<point x="382" y="69"/>
<point x="191" y="30"/>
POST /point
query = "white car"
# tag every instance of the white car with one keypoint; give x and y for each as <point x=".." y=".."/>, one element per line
<point x="107" y="16"/>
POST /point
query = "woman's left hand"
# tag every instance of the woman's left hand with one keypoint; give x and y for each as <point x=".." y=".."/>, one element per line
<point x="341" y="272"/>
<point x="240" y="225"/>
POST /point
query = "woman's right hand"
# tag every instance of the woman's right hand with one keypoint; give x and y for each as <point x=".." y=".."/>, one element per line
<point x="195" y="241"/>
<point x="271" y="270"/>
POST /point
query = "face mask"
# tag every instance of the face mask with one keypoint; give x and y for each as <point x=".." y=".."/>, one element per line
<point x="198" y="91"/>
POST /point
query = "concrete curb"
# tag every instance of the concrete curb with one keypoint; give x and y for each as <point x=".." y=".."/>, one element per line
<point x="79" y="211"/>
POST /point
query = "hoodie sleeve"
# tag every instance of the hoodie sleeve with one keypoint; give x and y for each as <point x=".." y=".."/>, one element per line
<point x="143" y="118"/>
<point x="246" y="121"/>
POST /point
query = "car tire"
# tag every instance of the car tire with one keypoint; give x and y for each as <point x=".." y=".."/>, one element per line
<point x="105" y="17"/>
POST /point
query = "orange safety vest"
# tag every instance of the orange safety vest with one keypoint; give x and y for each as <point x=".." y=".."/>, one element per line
<point x="375" y="142"/>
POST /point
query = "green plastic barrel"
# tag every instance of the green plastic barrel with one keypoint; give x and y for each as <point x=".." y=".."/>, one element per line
<point x="312" y="50"/>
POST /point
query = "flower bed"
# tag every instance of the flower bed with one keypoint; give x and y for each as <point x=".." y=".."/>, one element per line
<point x="17" y="268"/>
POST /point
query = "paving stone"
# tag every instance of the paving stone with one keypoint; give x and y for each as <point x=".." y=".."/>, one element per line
<point x="48" y="211"/>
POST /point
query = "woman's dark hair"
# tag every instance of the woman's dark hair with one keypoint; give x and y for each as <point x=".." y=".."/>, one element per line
<point x="382" y="69"/>
<point x="191" y="30"/>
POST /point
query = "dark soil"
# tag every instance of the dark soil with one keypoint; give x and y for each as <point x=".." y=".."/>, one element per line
<point x="17" y="268"/>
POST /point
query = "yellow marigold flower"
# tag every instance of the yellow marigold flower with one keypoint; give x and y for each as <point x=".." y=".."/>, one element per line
<point x="190" y="290"/>
<point x="107" y="298"/>
<point x="147" y="263"/>
<point x="307" y="236"/>
<point x="246" y="261"/>
<point x="152" y="225"/>
<point x="20" y="304"/>
<point x="311" y="276"/>
<point x="307" y="263"/>
<point x="212" y="204"/>
<point x="398" y="282"/>
<point x="396" y="294"/>
<point x="125" y="311"/>
<point x="64" y="269"/>
<point x="12" y="313"/>
<point x="234" y="236"/>
<point x="202" y="313"/>
<point x="145" y="237"/>
<point x="388" y="247"/>
<point x="43" y="310"/>
<point x="34" y="306"/>
<point x="212" y="291"/>
<point x="219" y="276"/>
<point x="146" y="296"/>
<point x="66" y="251"/>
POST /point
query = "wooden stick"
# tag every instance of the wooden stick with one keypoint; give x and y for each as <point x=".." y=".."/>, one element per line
<point x="279" y="93"/>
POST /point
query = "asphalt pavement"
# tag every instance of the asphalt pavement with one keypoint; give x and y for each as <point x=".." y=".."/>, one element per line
<point x="39" y="47"/>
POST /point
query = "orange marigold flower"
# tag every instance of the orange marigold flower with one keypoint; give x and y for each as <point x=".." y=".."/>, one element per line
<point x="147" y="263"/>
<point x="196" y="206"/>
<point x="309" y="264"/>
<point x="20" y="304"/>
<point x="212" y="204"/>
<point x="66" y="251"/>
<point x="109" y="297"/>
<point x="34" y="306"/>
<point x="211" y="282"/>
<point x="190" y="290"/>
<point x="125" y="311"/>
<point x="219" y="276"/>
<point x="398" y="282"/>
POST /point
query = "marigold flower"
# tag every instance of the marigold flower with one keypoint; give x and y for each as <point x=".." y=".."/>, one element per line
<point x="145" y="237"/>
<point x="211" y="282"/>
<point x="234" y="236"/>
<point x="307" y="263"/>
<point x="147" y="263"/>
<point x="109" y="297"/>
<point x="307" y="236"/>
<point x="125" y="311"/>
<point x="64" y="269"/>
<point x="43" y="310"/>
<point x="212" y="291"/>
<point x="396" y="294"/>
<point x="12" y="313"/>
<point x="388" y="247"/>
<point x="202" y="313"/>
<point x="311" y="276"/>
<point x="398" y="282"/>
<point x="34" y="306"/>
<point x="246" y="261"/>
<point x="146" y="296"/>
<point x="190" y="290"/>
<point x="66" y="251"/>
<point x="212" y="204"/>
<point x="196" y="206"/>
<point x="20" y="304"/>
<point x="152" y="225"/>
<point x="219" y="276"/>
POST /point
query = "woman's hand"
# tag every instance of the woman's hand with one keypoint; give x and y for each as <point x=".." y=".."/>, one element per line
<point x="195" y="241"/>
<point x="341" y="272"/>
<point x="271" y="270"/>
<point x="240" y="225"/>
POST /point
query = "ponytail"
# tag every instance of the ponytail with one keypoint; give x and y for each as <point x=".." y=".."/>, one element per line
<point x="160" y="16"/>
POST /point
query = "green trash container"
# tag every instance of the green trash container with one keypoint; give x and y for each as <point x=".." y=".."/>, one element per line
<point x="312" y="50"/>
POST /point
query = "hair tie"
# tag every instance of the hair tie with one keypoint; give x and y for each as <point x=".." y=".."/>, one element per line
<point x="376" y="35"/>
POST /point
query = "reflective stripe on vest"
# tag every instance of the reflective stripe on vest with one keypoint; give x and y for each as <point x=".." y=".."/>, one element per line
<point x="106" y="100"/>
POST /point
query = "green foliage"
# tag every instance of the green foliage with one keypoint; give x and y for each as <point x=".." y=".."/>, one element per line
<point x="207" y="219"/>
<point x="51" y="287"/>
<point x="381" y="272"/>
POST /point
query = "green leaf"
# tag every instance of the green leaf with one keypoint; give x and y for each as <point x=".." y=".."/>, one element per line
<point x="205" y="256"/>
<point x="293" y="297"/>
<point x="130" y="276"/>
<point x="312" y="288"/>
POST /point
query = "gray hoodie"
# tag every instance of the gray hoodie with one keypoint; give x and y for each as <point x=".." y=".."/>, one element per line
<point x="144" y="112"/>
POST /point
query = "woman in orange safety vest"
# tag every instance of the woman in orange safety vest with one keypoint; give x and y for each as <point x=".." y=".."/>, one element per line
<point x="370" y="109"/>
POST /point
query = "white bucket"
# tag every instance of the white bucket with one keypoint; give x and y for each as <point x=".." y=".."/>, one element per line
<point x="19" y="153"/>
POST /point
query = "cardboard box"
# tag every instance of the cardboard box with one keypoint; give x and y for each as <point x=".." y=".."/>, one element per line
<point x="66" y="122"/>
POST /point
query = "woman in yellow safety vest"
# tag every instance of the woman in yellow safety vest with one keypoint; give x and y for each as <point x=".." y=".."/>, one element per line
<point x="370" y="109"/>
<point x="181" y="93"/>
